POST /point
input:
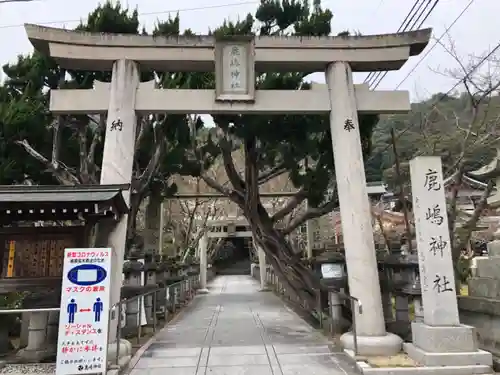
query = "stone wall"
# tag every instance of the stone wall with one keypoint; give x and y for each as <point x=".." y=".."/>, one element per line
<point x="481" y="308"/>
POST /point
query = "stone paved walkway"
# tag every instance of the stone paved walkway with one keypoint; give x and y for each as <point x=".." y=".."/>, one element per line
<point x="237" y="330"/>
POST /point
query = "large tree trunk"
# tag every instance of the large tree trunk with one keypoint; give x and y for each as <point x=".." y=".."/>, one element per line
<point x="135" y="203"/>
<point x="298" y="278"/>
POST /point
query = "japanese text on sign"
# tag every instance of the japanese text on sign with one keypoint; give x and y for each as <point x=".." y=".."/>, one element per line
<point x="431" y="181"/>
<point x="84" y="319"/>
<point x="437" y="245"/>
<point x="94" y="362"/>
<point x="116" y="125"/>
<point x="235" y="73"/>
<point x="348" y="125"/>
<point x="436" y="270"/>
<point x="442" y="284"/>
<point x="434" y="215"/>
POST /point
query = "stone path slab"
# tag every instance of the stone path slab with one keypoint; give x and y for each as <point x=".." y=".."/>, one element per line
<point x="237" y="330"/>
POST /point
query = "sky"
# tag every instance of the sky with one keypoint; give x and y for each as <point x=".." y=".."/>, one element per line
<point x="475" y="33"/>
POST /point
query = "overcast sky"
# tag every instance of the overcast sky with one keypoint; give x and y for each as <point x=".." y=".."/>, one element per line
<point x="476" y="32"/>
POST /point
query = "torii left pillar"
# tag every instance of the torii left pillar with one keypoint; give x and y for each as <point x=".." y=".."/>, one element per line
<point x="262" y="266"/>
<point x="117" y="163"/>
<point x="203" y="246"/>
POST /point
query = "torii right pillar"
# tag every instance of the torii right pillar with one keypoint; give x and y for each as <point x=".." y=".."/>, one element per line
<point x="372" y="338"/>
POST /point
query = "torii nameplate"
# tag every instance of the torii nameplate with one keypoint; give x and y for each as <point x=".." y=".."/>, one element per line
<point x="235" y="69"/>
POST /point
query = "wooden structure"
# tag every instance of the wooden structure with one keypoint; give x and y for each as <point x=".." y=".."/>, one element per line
<point x="38" y="222"/>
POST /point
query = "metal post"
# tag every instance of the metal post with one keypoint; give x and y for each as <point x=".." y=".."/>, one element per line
<point x="154" y="311"/>
<point x="118" y="332"/>
<point x="171" y="295"/>
<point x="354" y="333"/>
<point x="139" y="326"/>
<point x="319" y="307"/>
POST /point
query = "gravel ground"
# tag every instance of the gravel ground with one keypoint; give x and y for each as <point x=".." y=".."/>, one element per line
<point x="31" y="369"/>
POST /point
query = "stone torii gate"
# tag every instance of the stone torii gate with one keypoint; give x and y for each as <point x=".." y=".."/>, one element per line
<point x="235" y="61"/>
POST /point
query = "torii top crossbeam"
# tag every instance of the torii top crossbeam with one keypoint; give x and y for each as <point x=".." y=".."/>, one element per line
<point x="98" y="51"/>
<point x="94" y="51"/>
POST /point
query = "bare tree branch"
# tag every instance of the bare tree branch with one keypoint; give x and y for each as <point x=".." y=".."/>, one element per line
<point x="60" y="171"/>
<point x="271" y="173"/>
<point x="232" y="173"/>
<point x="472" y="222"/>
<point x="291" y="205"/>
<point x="311" y="213"/>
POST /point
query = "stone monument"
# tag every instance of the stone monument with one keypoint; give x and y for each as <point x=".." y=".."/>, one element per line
<point x="440" y="340"/>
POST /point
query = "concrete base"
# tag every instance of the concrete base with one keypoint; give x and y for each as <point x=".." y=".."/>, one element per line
<point x="387" y="345"/>
<point x="456" y="339"/>
<point x="123" y="350"/>
<point x="365" y="368"/>
<point x="202" y="291"/>
<point x="253" y="266"/>
<point x="446" y="346"/>
<point x="27" y="355"/>
<point x="265" y="289"/>
<point x="479" y="357"/>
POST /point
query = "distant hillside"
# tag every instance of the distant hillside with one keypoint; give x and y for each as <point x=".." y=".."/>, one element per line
<point x="435" y="127"/>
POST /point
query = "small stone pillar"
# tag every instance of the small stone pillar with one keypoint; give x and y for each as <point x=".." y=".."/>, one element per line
<point x="402" y="309"/>
<point x="52" y="329"/>
<point x="25" y="323"/>
<point x="161" y="282"/>
<point x="160" y="267"/>
<point x="387" y="306"/>
<point x="150" y="268"/>
<point x="309" y="236"/>
<point x="386" y="276"/>
<point x="203" y="246"/>
<point x="37" y="336"/>
<point x="167" y="263"/>
<point x="418" y="310"/>
<point x="262" y="266"/>
<point x="335" y="304"/>
<point x="132" y="270"/>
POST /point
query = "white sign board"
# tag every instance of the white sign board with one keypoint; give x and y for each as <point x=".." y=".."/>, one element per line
<point x="84" y="316"/>
<point x="332" y="270"/>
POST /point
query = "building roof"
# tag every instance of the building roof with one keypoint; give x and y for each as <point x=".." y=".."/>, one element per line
<point x="469" y="181"/>
<point x="33" y="203"/>
<point x="376" y="187"/>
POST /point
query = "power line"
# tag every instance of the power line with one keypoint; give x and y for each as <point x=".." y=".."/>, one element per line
<point x="371" y="74"/>
<point x="435" y="44"/>
<point x="227" y="5"/>
<point x="16" y="1"/>
<point x="474" y="68"/>
<point x="374" y="84"/>
<point x="404" y="27"/>
<point x="374" y="12"/>
<point x="425" y="18"/>
<point x="378" y="6"/>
